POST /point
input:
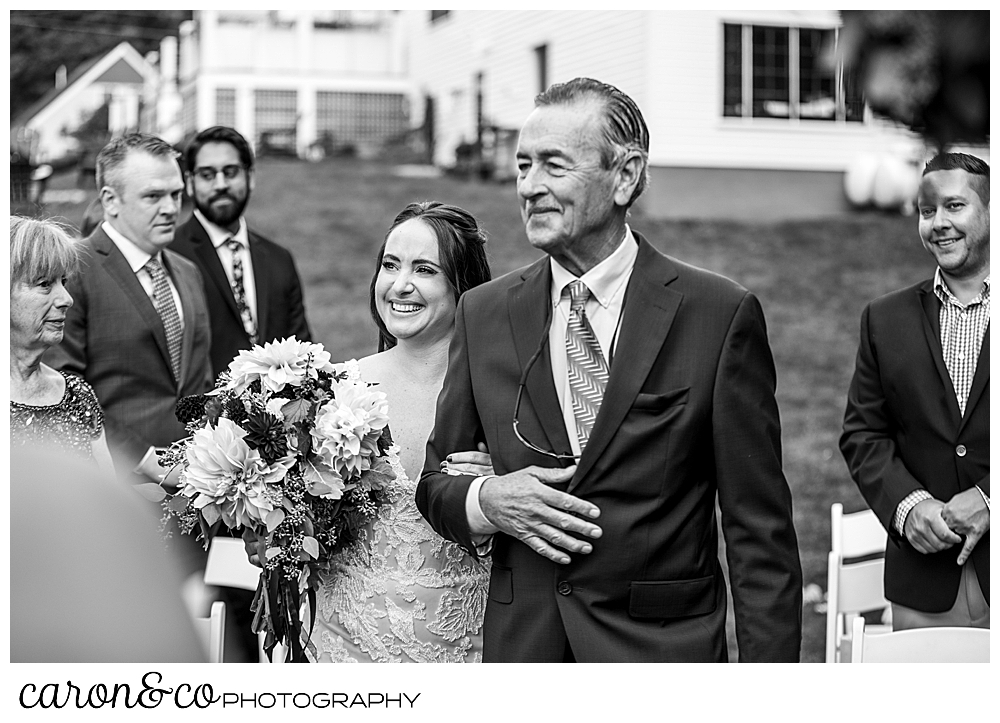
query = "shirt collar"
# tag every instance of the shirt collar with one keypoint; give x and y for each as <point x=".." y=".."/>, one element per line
<point x="218" y="235"/>
<point x="944" y="293"/>
<point x="605" y="279"/>
<point x="134" y="255"/>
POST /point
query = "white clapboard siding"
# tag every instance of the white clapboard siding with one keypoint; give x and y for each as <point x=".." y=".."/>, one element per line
<point x="669" y="61"/>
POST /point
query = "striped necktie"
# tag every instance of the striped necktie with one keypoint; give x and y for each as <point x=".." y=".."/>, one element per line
<point x="163" y="301"/>
<point x="587" y="369"/>
<point x="239" y="292"/>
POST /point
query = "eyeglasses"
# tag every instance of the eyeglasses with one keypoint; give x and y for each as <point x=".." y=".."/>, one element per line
<point x="517" y="402"/>
<point x="208" y="174"/>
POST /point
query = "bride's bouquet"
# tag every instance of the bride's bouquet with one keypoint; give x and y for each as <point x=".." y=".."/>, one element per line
<point x="290" y="451"/>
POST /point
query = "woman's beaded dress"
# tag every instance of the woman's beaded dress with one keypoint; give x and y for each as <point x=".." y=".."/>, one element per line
<point x="71" y="424"/>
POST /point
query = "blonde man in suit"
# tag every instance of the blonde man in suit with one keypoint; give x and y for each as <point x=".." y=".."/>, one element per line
<point x="138" y="331"/>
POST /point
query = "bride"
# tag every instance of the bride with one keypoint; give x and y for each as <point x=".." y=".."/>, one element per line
<point x="401" y="593"/>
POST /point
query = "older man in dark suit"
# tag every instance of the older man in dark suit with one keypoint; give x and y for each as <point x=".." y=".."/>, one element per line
<point x="917" y="427"/>
<point x="620" y="393"/>
<point x="253" y="289"/>
<point x="139" y="330"/>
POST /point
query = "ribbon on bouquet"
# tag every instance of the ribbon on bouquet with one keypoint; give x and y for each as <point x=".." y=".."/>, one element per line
<point x="276" y="606"/>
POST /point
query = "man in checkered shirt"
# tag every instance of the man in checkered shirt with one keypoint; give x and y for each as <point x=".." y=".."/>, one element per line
<point x="916" y="430"/>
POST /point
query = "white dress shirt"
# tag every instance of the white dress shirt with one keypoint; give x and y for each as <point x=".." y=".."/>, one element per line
<point x="218" y="236"/>
<point x="607" y="283"/>
<point x="137" y="259"/>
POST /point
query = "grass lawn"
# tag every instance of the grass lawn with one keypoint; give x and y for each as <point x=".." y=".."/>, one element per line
<point x="813" y="279"/>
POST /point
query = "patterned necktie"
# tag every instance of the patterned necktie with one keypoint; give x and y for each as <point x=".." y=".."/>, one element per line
<point x="239" y="293"/>
<point x="163" y="301"/>
<point x="588" y="371"/>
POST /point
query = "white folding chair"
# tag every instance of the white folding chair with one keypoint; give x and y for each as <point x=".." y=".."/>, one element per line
<point x="212" y="631"/>
<point x="852" y="588"/>
<point x="228" y="566"/>
<point x="921" y="645"/>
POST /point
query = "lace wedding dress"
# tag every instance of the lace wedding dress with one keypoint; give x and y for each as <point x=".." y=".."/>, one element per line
<point x="400" y="593"/>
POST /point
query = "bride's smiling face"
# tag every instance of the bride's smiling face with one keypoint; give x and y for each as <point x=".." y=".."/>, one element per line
<point x="412" y="292"/>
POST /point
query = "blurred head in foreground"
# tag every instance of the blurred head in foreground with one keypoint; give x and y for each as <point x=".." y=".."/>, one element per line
<point x="94" y="583"/>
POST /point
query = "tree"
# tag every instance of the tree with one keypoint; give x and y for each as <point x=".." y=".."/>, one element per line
<point x="42" y="40"/>
<point x="927" y="69"/>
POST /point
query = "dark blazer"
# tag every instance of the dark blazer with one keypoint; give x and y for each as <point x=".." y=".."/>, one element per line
<point x="903" y="431"/>
<point x="115" y="340"/>
<point x="280" y="312"/>
<point x="689" y="415"/>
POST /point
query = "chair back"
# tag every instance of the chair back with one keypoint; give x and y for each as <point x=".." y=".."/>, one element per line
<point x="228" y="566"/>
<point x="922" y="645"/>
<point x="212" y="631"/>
<point x="852" y="587"/>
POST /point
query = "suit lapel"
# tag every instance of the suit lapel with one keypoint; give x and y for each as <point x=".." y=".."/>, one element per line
<point x="260" y="258"/>
<point x="529" y="306"/>
<point x="211" y="263"/>
<point x="119" y="270"/>
<point x="980" y="380"/>
<point x="646" y="319"/>
<point x="932" y="332"/>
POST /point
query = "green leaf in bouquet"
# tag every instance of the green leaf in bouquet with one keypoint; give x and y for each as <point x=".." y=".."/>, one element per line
<point x="274" y="518"/>
<point x="296" y="410"/>
<point x="272" y="552"/>
<point x="211" y="514"/>
<point x="178" y="503"/>
<point x="311" y="545"/>
<point x="151" y="491"/>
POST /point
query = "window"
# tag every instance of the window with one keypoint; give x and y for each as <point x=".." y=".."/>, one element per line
<point x="542" y="64"/>
<point x="276" y="118"/>
<point x="350" y="117"/>
<point x="225" y="107"/>
<point x="779" y="72"/>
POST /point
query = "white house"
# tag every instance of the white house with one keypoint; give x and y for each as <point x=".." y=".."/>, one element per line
<point x="116" y="78"/>
<point x="295" y="79"/>
<point x="744" y="118"/>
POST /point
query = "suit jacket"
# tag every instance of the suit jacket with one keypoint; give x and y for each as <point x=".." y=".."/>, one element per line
<point x="903" y="431"/>
<point x="115" y="340"/>
<point x="688" y="415"/>
<point x="280" y="312"/>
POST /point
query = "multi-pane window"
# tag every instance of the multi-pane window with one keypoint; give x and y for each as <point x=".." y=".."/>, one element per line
<point x="189" y="110"/>
<point x="351" y="117"/>
<point x="780" y="72"/>
<point x="275" y="110"/>
<point x="225" y="107"/>
<point x="276" y="117"/>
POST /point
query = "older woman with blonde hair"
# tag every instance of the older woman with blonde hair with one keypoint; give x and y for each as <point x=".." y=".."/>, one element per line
<point x="47" y="408"/>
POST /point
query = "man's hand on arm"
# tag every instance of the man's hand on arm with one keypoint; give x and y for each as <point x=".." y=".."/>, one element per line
<point x="523" y="505"/>
<point x="926" y="530"/>
<point x="967" y="514"/>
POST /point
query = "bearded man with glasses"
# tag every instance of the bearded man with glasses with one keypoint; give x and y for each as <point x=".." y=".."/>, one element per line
<point x="251" y="283"/>
<point x="620" y="393"/>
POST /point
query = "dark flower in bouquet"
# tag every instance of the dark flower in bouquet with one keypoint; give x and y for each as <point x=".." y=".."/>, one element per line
<point x="289" y="451"/>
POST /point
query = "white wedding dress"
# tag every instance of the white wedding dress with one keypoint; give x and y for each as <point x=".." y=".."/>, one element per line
<point x="400" y="593"/>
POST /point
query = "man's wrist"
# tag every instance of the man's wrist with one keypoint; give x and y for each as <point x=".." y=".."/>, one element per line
<point x="906" y="506"/>
<point x="478" y="524"/>
<point x="986" y="497"/>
